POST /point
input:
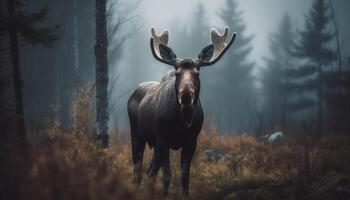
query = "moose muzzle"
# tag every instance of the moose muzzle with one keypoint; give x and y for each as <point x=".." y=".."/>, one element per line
<point x="186" y="100"/>
<point x="186" y="96"/>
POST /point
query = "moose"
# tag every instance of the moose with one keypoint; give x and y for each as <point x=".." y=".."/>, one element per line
<point x="168" y="114"/>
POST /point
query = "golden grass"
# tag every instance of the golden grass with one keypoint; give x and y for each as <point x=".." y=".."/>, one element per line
<point x="72" y="166"/>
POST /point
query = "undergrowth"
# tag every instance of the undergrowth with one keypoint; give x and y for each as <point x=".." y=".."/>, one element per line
<point x="72" y="165"/>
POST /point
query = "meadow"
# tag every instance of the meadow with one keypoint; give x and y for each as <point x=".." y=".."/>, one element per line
<point x="71" y="164"/>
<point x="64" y="165"/>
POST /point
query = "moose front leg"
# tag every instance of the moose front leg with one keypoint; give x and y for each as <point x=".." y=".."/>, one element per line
<point x="186" y="158"/>
<point x="166" y="171"/>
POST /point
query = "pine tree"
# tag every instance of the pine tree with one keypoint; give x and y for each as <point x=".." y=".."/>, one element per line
<point x="337" y="90"/>
<point x="235" y="72"/>
<point x="194" y="37"/>
<point x="345" y="97"/>
<point x="199" y="32"/>
<point x="86" y="34"/>
<point x="101" y="53"/>
<point x="275" y="78"/>
<point x="21" y="25"/>
<point x="313" y="46"/>
<point x="67" y="67"/>
<point x="4" y="101"/>
<point x="337" y="98"/>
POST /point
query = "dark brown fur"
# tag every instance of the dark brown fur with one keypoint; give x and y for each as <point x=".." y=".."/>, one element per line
<point x="169" y="115"/>
<point x="156" y="118"/>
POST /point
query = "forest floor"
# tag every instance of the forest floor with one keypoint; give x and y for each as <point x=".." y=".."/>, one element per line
<point x="72" y="166"/>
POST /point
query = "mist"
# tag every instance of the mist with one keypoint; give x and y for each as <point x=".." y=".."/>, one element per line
<point x="131" y="61"/>
<point x="259" y="17"/>
<point x="252" y="96"/>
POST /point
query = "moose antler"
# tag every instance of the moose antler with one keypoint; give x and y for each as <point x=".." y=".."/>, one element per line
<point x="220" y="45"/>
<point x="157" y="41"/>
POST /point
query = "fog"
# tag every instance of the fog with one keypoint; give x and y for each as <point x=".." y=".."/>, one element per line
<point x="260" y="18"/>
<point x="233" y="91"/>
<point x="275" y="99"/>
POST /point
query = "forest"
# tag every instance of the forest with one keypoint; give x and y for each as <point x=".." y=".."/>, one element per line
<point x="276" y="105"/>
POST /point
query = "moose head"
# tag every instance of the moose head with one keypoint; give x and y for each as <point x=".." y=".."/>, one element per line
<point x="187" y="81"/>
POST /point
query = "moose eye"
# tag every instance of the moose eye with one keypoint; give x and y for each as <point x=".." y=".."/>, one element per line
<point x="196" y="73"/>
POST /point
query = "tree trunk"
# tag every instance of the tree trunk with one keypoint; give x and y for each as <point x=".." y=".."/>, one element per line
<point x="339" y="54"/>
<point x="340" y="113"/>
<point x="16" y="75"/>
<point x="76" y="64"/>
<point x="75" y="46"/>
<point x="101" y="73"/>
<point x="55" y="66"/>
<point x="284" y="110"/>
<point x="320" y="99"/>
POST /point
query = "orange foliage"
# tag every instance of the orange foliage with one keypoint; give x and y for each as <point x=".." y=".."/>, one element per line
<point x="71" y="165"/>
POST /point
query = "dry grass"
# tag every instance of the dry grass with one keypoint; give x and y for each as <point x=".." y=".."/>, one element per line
<point x="71" y="165"/>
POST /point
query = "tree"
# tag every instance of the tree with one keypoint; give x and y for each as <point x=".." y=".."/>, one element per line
<point x="276" y="79"/>
<point x="313" y="46"/>
<point x="4" y="99"/>
<point x="67" y="68"/>
<point x="197" y="36"/>
<point x="86" y="34"/>
<point x="122" y="24"/>
<point x="101" y="52"/>
<point x="235" y="72"/>
<point x="19" y="23"/>
<point x="336" y="82"/>
<point x="83" y="26"/>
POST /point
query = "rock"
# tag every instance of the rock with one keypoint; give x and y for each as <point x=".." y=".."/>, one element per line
<point x="216" y="155"/>
<point x="274" y="138"/>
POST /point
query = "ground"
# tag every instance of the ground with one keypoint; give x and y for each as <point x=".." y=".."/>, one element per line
<point x="71" y="165"/>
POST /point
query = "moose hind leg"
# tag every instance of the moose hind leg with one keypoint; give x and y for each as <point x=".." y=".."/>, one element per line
<point x="153" y="171"/>
<point x="138" y="147"/>
<point x="155" y="163"/>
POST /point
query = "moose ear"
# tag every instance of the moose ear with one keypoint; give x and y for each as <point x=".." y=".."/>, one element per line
<point x="206" y="54"/>
<point x="167" y="54"/>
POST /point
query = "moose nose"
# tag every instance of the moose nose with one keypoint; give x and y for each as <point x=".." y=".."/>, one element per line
<point x="186" y="97"/>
